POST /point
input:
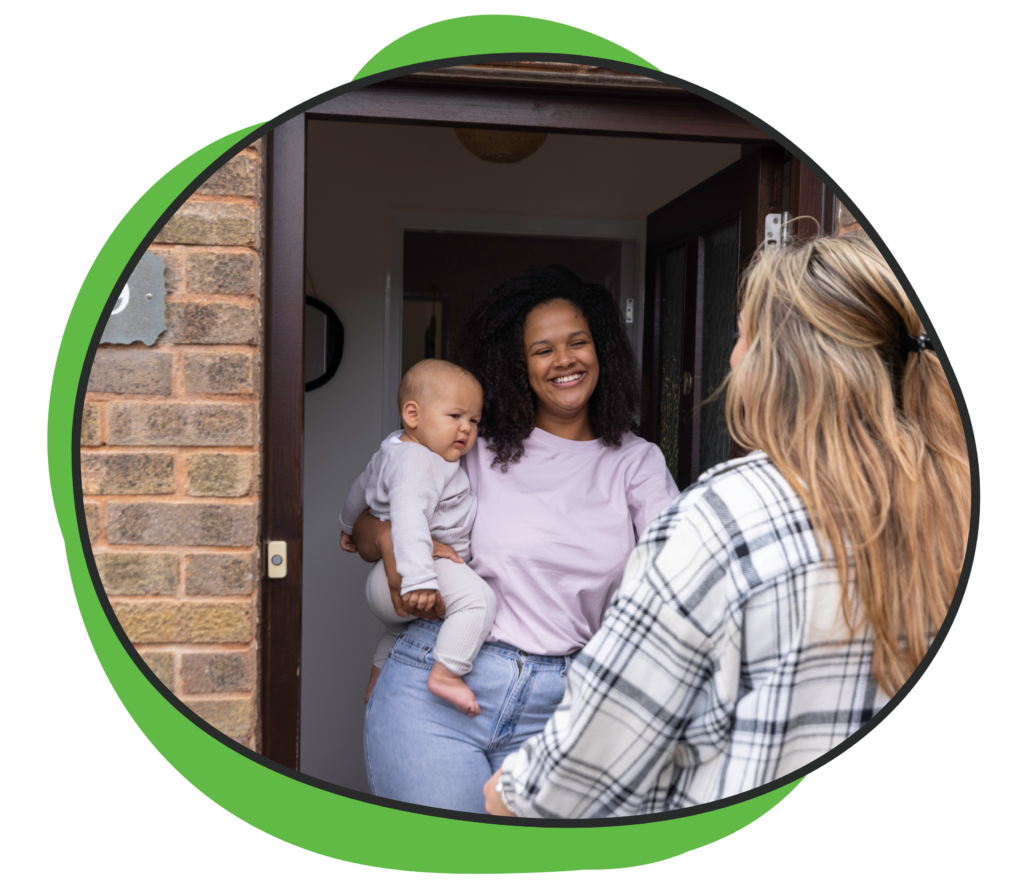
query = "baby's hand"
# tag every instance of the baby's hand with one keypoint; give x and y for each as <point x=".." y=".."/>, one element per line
<point x="419" y="600"/>
<point x="348" y="543"/>
<point x="446" y="552"/>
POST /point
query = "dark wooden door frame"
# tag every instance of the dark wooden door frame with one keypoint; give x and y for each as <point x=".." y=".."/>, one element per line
<point x="283" y="427"/>
<point x="677" y="115"/>
<point x="680" y="115"/>
<point x="810" y="198"/>
<point x="748" y="190"/>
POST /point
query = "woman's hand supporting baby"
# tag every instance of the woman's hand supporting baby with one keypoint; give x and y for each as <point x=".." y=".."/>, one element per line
<point x="423" y="599"/>
<point x="372" y="539"/>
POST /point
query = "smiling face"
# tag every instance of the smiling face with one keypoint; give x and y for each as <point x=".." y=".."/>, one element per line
<point x="561" y="360"/>
<point x="446" y="415"/>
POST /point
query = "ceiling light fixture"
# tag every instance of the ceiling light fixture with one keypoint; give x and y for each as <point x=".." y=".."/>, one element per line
<point x="500" y="146"/>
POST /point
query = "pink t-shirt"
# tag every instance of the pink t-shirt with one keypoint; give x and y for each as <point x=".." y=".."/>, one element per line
<point x="552" y="535"/>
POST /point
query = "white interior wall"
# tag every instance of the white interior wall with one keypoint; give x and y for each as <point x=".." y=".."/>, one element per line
<point x="359" y="176"/>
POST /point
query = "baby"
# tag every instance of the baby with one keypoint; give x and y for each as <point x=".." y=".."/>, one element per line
<point x="416" y="481"/>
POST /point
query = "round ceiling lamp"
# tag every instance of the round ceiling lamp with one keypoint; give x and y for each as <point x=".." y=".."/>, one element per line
<point x="500" y="146"/>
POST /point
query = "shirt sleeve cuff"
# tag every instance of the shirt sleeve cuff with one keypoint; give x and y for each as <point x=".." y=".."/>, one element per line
<point x="520" y="807"/>
<point x="429" y="585"/>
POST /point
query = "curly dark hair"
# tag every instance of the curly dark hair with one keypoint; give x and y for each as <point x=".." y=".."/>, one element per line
<point x="491" y="346"/>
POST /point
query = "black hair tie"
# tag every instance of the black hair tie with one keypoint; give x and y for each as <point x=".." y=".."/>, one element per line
<point x="910" y="343"/>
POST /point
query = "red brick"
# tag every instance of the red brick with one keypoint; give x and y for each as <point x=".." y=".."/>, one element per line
<point x="181" y="423"/>
<point x="216" y="672"/>
<point x="227" y="525"/>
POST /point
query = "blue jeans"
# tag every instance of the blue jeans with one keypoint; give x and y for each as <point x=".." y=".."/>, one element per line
<point x="420" y="749"/>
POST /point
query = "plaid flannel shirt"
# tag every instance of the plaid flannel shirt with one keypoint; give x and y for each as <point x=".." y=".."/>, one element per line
<point x="722" y="664"/>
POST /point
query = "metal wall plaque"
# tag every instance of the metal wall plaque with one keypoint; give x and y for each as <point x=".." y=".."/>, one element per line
<point x="140" y="312"/>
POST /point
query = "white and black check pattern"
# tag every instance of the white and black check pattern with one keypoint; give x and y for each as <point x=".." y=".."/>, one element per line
<point x="722" y="664"/>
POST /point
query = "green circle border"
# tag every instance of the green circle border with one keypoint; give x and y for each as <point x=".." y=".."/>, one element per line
<point x="277" y="802"/>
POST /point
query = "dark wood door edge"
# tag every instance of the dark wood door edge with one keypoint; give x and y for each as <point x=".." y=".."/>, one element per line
<point x="284" y="391"/>
<point x="747" y="191"/>
<point x="682" y="116"/>
<point x="810" y="197"/>
<point x="549" y="75"/>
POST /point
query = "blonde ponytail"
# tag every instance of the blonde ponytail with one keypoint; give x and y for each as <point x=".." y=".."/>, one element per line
<point x="867" y="433"/>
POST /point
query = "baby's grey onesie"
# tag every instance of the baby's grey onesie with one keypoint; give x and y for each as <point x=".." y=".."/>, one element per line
<point x="425" y="497"/>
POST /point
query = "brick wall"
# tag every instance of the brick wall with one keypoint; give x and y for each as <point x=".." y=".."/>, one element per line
<point x="170" y="459"/>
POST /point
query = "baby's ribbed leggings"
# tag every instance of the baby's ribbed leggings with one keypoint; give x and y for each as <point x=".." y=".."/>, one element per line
<point x="469" y="611"/>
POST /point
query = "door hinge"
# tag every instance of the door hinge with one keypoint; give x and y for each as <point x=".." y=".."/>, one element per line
<point x="776" y="233"/>
<point x="629" y="311"/>
<point x="277" y="559"/>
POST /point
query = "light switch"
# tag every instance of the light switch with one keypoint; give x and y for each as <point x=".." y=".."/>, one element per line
<point x="277" y="559"/>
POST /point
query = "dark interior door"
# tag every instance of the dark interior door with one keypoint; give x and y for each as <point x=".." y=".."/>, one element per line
<point x="697" y="245"/>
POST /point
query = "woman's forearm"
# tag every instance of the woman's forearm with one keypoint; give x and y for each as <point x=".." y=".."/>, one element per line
<point x="373" y="541"/>
<point x="493" y="802"/>
<point x="369" y="534"/>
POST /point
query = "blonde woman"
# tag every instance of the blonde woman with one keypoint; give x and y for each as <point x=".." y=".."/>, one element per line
<point x="737" y="648"/>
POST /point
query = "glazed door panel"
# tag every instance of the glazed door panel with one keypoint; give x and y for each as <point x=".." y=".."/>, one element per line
<point x="697" y="245"/>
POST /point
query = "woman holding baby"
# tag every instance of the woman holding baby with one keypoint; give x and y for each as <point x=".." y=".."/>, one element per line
<point x="563" y="489"/>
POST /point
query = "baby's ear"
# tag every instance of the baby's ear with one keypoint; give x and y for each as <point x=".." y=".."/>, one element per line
<point x="410" y="414"/>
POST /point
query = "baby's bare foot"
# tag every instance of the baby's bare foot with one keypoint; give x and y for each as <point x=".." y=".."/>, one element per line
<point x="448" y="686"/>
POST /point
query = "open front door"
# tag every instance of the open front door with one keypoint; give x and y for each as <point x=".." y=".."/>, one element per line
<point x="697" y="245"/>
<point x="463" y="98"/>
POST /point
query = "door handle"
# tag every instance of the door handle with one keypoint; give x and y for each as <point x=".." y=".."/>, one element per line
<point x="686" y="384"/>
